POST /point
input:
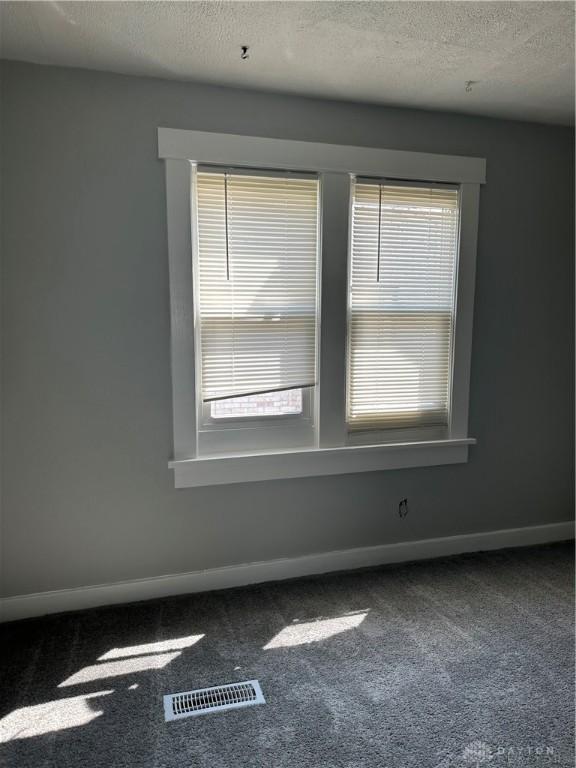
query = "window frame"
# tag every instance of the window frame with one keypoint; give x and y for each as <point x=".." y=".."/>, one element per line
<point x="334" y="450"/>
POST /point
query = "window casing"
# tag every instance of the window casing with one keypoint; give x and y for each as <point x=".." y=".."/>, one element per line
<point x="323" y="438"/>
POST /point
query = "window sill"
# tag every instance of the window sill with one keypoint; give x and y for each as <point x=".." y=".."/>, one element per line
<point x="311" y="462"/>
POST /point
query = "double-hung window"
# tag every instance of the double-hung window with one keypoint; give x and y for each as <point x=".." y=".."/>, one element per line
<point x="403" y="260"/>
<point x="321" y="304"/>
<point x="256" y="275"/>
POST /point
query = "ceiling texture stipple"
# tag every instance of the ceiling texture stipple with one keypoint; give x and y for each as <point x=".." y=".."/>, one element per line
<point x="501" y="59"/>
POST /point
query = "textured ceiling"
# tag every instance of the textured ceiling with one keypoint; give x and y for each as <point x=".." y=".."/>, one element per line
<point x="520" y="55"/>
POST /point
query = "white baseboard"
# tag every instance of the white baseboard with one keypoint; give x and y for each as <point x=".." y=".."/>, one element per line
<point x="41" y="603"/>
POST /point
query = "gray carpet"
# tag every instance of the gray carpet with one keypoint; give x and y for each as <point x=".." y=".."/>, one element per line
<point x="453" y="663"/>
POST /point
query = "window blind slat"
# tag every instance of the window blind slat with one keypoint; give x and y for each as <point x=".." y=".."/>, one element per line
<point x="403" y="268"/>
<point x="257" y="272"/>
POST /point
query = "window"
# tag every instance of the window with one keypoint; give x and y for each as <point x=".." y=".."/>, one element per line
<point x="256" y="273"/>
<point x="321" y="305"/>
<point x="401" y="314"/>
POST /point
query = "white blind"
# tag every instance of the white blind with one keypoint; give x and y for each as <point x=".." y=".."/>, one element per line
<point x="257" y="270"/>
<point x="403" y="268"/>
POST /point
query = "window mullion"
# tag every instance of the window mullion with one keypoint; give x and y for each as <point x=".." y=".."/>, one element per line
<point x="335" y="220"/>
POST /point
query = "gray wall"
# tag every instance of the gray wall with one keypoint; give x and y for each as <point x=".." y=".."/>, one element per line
<point x="88" y="497"/>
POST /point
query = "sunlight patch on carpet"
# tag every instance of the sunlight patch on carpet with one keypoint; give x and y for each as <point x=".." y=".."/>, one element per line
<point x="57" y="715"/>
<point x="161" y="646"/>
<point x="116" y="668"/>
<point x="300" y="633"/>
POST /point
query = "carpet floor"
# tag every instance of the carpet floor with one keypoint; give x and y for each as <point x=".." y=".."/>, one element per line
<point x="462" y="662"/>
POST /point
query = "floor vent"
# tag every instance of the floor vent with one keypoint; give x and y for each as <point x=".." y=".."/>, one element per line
<point x="205" y="700"/>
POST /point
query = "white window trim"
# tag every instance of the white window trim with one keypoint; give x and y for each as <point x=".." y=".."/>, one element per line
<point x="332" y="453"/>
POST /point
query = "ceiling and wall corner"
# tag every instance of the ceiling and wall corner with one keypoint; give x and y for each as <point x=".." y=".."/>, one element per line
<point x="512" y="60"/>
